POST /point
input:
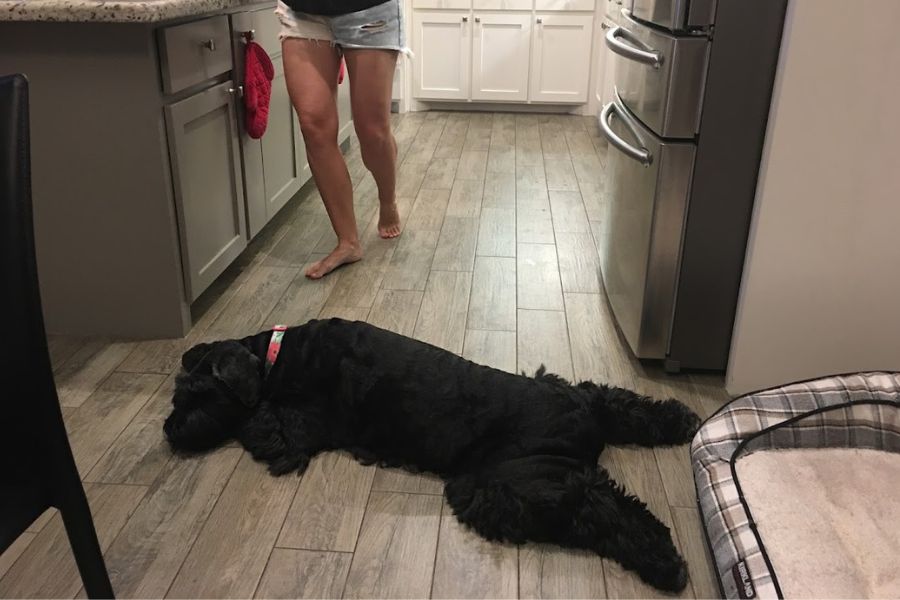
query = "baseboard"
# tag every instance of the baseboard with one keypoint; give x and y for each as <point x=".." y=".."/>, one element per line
<point x="425" y="105"/>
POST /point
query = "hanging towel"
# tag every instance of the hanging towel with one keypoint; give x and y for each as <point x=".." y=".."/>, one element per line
<point x="258" y="76"/>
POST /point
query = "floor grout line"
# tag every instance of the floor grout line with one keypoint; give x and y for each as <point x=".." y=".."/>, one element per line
<point x="200" y="529"/>
<point x="275" y="545"/>
<point x="437" y="547"/>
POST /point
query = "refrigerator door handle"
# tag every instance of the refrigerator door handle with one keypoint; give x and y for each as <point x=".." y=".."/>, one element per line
<point x="634" y="50"/>
<point x="642" y="154"/>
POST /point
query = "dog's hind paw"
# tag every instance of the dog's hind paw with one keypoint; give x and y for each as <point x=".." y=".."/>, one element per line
<point x="670" y="577"/>
<point x="363" y="456"/>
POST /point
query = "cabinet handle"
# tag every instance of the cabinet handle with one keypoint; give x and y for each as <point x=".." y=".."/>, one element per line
<point x="478" y="19"/>
<point x="465" y="19"/>
<point x="540" y="20"/>
<point x="209" y="45"/>
<point x="239" y="90"/>
<point x="604" y="26"/>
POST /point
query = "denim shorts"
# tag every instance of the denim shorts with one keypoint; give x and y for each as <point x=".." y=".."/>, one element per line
<point x="379" y="27"/>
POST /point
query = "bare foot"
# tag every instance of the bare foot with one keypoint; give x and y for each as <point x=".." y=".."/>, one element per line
<point x="389" y="221"/>
<point x="344" y="254"/>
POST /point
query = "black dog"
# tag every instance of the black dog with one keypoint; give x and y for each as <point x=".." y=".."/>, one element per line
<point x="518" y="454"/>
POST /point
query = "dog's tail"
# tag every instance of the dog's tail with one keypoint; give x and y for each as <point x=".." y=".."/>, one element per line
<point x="628" y="418"/>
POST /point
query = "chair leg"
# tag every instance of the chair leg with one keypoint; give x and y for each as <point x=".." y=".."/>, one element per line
<point x="76" y="515"/>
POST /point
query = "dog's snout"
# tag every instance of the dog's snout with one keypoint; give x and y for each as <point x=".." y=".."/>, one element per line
<point x="168" y="426"/>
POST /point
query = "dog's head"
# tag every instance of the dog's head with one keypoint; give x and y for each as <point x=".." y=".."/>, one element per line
<point x="218" y="389"/>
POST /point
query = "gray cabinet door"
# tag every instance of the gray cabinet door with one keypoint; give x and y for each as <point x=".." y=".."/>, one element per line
<point x="203" y="147"/>
<point x="285" y="168"/>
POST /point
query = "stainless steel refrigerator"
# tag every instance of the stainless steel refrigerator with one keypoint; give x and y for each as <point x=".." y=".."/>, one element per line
<point x="693" y="83"/>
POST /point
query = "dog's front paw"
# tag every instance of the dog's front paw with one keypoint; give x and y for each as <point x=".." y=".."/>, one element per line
<point x="288" y="464"/>
<point x="677" y="423"/>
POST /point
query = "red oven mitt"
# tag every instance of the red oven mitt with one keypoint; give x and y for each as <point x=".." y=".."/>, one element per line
<point x="258" y="75"/>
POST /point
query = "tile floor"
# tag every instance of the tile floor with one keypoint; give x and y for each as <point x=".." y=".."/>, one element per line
<point x="498" y="263"/>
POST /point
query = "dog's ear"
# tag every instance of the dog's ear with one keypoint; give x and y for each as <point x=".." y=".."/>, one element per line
<point x="192" y="357"/>
<point x="238" y="368"/>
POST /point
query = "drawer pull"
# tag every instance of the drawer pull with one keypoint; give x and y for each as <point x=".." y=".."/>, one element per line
<point x="209" y="45"/>
<point x="634" y="49"/>
<point x="642" y="154"/>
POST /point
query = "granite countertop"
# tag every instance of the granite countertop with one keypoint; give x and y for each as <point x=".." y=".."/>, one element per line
<point x="123" y="11"/>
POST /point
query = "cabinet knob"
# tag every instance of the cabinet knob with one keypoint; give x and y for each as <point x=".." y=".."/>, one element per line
<point x="540" y="20"/>
<point x="465" y="19"/>
<point x="239" y="91"/>
<point x="478" y="19"/>
<point x="209" y="45"/>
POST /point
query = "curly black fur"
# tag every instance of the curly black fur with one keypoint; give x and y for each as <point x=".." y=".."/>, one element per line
<point x="518" y="454"/>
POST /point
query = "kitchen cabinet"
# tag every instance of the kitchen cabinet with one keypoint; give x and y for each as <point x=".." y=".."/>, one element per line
<point x="397" y="85"/>
<point x="560" y="58"/>
<point x="566" y="5"/>
<point x="193" y="53"/>
<point x="503" y="51"/>
<point x="209" y="197"/>
<point x="443" y="47"/>
<point x="500" y="56"/>
<point x="169" y="187"/>
<point x="285" y="168"/>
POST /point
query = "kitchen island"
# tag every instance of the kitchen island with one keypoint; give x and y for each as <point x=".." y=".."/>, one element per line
<point x="145" y="185"/>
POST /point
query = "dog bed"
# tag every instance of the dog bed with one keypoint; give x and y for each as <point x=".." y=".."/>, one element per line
<point x="797" y="488"/>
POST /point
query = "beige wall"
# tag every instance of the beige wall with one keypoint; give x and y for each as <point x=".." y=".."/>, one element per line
<point x="821" y="287"/>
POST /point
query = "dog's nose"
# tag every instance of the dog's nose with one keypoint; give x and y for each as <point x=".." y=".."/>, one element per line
<point x="167" y="427"/>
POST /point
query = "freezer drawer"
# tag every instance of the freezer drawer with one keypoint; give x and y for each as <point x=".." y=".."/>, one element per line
<point x="649" y="183"/>
<point x="660" y="76"/>
<point x="675" y="15"/>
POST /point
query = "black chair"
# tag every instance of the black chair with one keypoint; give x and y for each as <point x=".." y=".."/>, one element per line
<point x="37" y="470"/>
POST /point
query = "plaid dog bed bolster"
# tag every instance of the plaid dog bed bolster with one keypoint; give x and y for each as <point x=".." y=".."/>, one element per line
<point x="858" y="411"/>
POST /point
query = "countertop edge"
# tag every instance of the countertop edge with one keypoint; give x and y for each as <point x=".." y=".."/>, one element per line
<point x="98" y="11"/>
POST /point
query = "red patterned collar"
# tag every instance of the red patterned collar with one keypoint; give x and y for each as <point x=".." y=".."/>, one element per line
<point x="274" y="346"/>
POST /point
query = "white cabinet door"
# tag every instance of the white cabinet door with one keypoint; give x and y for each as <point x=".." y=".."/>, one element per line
<point x="397" y="86"/>
<point x="559" y="64"/>
<point x="500" y="56"/>
<point x="443" y="48"/>
<point x="580" y="5"/>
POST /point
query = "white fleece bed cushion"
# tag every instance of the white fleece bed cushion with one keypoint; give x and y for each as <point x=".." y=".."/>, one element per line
<point x="829" y="519"/>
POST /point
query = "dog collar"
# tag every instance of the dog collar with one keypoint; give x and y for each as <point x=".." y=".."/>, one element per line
<point x="274" y="346"/>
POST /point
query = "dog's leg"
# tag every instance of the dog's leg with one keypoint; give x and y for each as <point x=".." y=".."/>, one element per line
<point x="618" y="525"/>
<point x="262" y="436"/>
<point x="560" y="501"/>
<point x="628" y="418"/>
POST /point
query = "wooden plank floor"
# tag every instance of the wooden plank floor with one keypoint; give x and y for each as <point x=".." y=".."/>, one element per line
<point x="498" y="263"/>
